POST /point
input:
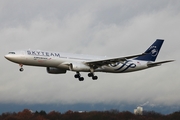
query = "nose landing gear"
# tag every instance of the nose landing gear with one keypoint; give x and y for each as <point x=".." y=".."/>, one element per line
<point x="21" y="67"/>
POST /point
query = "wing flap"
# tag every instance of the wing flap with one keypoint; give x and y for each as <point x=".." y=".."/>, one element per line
<point x="158" y="63"/>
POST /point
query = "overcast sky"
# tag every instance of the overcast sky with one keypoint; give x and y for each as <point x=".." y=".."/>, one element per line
<point x="110" y="28"/>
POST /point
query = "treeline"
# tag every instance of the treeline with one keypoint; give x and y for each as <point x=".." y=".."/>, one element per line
<point x="94" y="115"/>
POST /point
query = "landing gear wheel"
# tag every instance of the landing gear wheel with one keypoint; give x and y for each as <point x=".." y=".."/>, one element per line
<point x="21" y="69"/>
<point x="94" y="77"/>
<point x="77" y="76"/>
<point x="90" y="74"/>
<point x="81" y="79"/>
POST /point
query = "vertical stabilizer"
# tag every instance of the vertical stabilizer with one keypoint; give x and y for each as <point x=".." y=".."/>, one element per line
<point x="152" y="52"/>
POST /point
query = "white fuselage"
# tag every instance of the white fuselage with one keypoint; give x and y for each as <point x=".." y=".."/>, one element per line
<point x="62" y="61"/>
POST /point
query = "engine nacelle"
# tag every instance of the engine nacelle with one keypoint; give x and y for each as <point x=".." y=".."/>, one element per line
<point x="53" y="70"/>
<point x="80" y="67"/>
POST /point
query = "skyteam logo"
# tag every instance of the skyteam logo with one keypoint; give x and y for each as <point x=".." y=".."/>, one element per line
<point x="41" y="53"/>
<point x="123" y="66"/>
<point x="153" y="50"/>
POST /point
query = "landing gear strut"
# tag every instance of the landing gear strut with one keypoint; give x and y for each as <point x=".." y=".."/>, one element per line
<point x="78" y="75"/>
<point x="21" y="67"/>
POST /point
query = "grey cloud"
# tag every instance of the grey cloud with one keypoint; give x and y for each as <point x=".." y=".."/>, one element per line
<point x="112" y="28"/>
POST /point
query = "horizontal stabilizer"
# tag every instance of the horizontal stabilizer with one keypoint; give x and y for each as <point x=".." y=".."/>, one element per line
<point x="158" y="63"/>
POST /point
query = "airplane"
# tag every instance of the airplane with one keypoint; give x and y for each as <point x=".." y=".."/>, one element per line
<point x="60" y="63"/>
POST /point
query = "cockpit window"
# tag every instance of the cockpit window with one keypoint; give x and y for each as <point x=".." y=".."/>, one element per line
<point x="12" y="53"/>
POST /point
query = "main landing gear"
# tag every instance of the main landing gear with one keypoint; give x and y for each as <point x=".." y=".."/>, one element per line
<point x="21" y="67"/>
<point x="92" y="75"/>
<point x="78" y="75"/>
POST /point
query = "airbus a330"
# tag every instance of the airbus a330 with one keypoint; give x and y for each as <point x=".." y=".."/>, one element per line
<point x="60" y="63"/>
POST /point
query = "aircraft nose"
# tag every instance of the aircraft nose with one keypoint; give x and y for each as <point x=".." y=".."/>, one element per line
<point x="10" y="57"/>
<point x="14" y="58"/>
<point x="7" y="56"/>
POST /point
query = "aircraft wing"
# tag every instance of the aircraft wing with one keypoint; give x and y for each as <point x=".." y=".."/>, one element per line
<point x="98" y="63"/>
<point x="158" y="63"/>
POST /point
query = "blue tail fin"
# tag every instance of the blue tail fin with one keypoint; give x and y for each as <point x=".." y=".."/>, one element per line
<point x="152" y="52"/>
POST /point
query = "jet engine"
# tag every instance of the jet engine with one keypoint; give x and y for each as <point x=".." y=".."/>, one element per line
<point x="79" y="67"/>
<point x="53" y="70"/>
